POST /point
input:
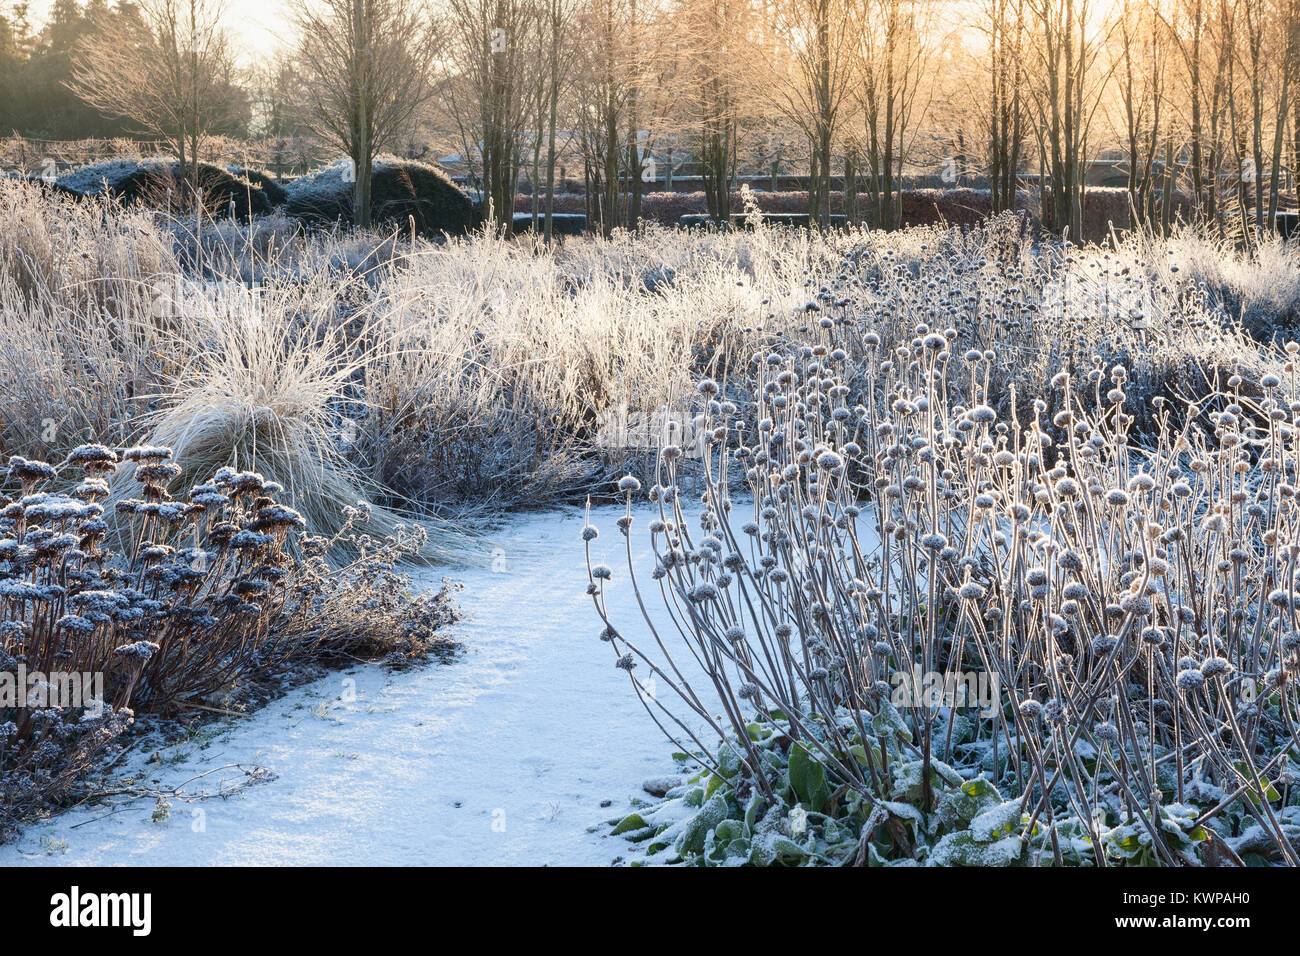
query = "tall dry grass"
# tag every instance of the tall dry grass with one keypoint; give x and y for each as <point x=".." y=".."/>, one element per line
<point x="481" y="373"/>
<point x="134" y="327"/>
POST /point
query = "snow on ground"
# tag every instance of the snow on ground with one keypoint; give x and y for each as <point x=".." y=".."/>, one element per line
<point x="501" y="757"/>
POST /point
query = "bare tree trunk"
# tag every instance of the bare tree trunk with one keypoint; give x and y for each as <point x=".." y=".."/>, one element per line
<point x="553" y="96"/>
<point x="850" y="187"/>
<point x="361" y="162"/>
<point x="1279" y="123"/>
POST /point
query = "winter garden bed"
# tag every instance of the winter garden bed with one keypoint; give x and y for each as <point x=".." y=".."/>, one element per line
<point x="1114" y="549"/>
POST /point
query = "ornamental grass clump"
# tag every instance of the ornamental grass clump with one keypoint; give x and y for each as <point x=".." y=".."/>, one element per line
<point x="210" y="593"/>
<point x="928" y="632"/>
<point x="480" y="373"/>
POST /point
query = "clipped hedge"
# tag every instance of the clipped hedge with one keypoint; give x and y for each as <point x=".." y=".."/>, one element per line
<point x="158" y="183"/>
<point x="563" y="223"/>
<point x="274" y="191"/>
<point x="401" y="192"/>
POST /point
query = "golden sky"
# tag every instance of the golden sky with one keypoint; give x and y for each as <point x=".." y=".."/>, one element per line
<point x="257" y="24"/>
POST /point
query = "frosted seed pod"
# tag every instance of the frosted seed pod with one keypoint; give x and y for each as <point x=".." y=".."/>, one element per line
<point x="1103" y="644"/>
<point x="1141" y="483"/>
<point x="934" y="541"/>
<point x="1106" y="732"/>
<point x="1215" y="667"/>
<point x="1136" y="604"/>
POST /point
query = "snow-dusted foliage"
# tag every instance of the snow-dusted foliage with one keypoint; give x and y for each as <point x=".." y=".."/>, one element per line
<point x="105" y="177"/>
<point x="207" y="592"/>
<point x="944" y="634"/>
<point x="504" y="370"/>
<point x="324" y="185"/>
<point x="403" y="193"/>
<point x="161" y="183"/>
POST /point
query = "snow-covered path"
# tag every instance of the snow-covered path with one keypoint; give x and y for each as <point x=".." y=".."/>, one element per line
<point x="502" y="757"/>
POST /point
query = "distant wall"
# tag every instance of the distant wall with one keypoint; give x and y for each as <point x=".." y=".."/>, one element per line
<point x="1103" y="206"/>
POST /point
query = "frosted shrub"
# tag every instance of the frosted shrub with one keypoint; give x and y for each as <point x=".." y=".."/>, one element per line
<point x="210" y="591"/>
<point x="1131" y="607"/>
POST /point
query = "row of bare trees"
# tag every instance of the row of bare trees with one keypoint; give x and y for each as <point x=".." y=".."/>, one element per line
<point x="1190" y="100"/>
<point x="1194" y="96"/>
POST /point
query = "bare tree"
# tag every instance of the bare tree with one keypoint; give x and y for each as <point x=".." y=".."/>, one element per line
<point x="367" y="69"/>
<point x="492" y="49"/>
<point x="604" y="79"/>
<point x="1005" y="28"/>
<point x="1222" y="41"/>
<point x="555" y="51"/>
<point x="1186" y="27"/>
<point x="715" y="88"/>
<point x="889" y="53"/>
<point x="1267" y="59"/>
<point x="559" y="60"/>
<point x="169" y="69"/>
<point x="1065" y="94"/>
<point x="1142" y="67"/>
<point x="812" y="76"/>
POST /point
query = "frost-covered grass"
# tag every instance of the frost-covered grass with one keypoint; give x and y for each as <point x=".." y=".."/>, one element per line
<point x="472" y="375"/>
<point x="481" y="372"/>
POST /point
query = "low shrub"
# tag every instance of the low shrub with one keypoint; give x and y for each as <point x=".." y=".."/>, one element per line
<point x="160" y="184"/>
<point x="956" y="207"/>
<point x="271" y="187"/>
<point x="212" y="593"/>
<point x="951" y="207"/>
<point x="562" y="223"/>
